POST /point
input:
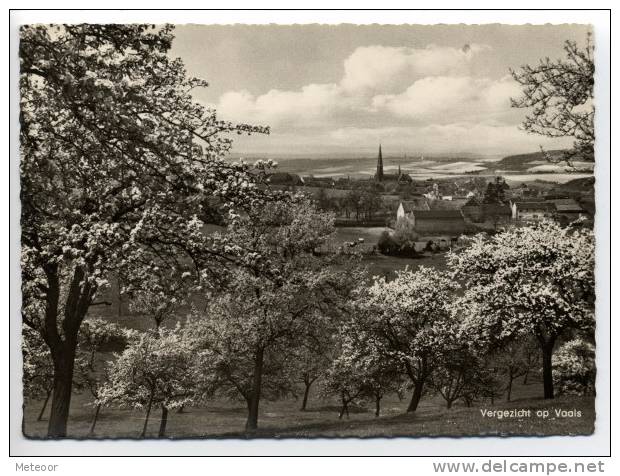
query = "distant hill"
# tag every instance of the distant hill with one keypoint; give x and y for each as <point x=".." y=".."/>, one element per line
<point x="578" y="184"/>
<point x="522" y="162"/>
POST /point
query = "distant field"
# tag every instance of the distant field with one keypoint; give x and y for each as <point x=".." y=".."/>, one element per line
<point x="382" y="265"/>
<point x="350" y="233"/>
<point x="518" y="169"/>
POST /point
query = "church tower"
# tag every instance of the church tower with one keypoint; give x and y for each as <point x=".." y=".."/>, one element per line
<point x="379" y="174"/>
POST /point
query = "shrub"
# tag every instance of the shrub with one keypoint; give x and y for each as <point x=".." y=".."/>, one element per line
<point x="402" y="243"/>
<point x="574" y="368"/>
<point x="386" y="244"/>
<point x="405" y="235"/>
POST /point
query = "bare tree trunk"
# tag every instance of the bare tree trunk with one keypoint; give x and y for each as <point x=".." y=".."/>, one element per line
<point x="61" y="396"/>
<point x="63" y="345"/>
<point x="148" y="413"/>
<point x="547" y="353"/>
<point x="163" y="422"/>
<point x="377" y="405"/>
<point x="304" y="402"/>
<point x="252" y="421"/>
<point x="509" y="386"/>
<point x="120" y="300"/>
<point x="345" y="406"/>
<point x="47" y="397"/>
<point x="417" y="395"/>
<point x="527" y="374"/>
<point x="92" y="426"/>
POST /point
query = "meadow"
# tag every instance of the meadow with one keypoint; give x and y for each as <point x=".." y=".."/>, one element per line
<point x="283" y="418"/>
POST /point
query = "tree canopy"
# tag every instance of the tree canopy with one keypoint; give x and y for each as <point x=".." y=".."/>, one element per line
<point x="536" y="281"/>
<point x="560" y="95"/>
<point x="117" y="160"/>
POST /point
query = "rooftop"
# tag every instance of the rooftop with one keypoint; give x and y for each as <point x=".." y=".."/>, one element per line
<point x="437" y="214"/>
<point x="546" y="206"/>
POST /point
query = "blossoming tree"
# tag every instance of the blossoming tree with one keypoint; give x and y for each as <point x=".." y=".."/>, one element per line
<point x="94" y="335"/>
<point x="156" y="369"/>
<point x="536" y="281"/>
<point x="281" y="297"/>
<point x="574" y="368"/>
<point x="117" y="160"/>
<point x="38" y="369"/>
<point x="361" y="370"/>
<point x="410" y="318"/>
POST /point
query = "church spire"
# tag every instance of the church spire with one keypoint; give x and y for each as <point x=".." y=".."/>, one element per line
<point x="379" y="174"/>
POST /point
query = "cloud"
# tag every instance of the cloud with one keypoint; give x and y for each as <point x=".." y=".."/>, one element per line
<point x="389" y="69"/>
<point x="446" y="99"/>
<point x="277" y="107"/>
<point x="425" y="99"/>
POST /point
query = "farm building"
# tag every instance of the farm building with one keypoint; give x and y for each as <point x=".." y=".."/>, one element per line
<point x="407" y="207"/>
<point x="433" y="222"/>
<point x="495" y="213"/>
<point x="568" y="210"/>
<point x="452" y="204"/>
<point x="533" y="211"/>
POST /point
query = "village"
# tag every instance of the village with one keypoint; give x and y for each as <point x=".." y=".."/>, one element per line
<point x="437" y="212"/>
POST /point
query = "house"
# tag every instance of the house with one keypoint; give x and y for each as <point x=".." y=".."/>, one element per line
<point x="438" y="222"/>
<point x="568" y="210"/>
<point x="454" y="204"/>
<point x="472" y="210"/>
<point x="406" y="207"/>
<point x="438" y="229"/>
<point x="496" y="213"/>
<point x="526" y="192"/>
<point x="533" y="211"/>
<point x="491" y="213"/>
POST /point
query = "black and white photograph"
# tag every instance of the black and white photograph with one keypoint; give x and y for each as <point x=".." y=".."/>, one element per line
<point x="299" y="231"/>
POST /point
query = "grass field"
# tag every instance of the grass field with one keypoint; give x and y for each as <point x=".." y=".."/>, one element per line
<point x="382" y="265"/>
<point x="283" y="419"/>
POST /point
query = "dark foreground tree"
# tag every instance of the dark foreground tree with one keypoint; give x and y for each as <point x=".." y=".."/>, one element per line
<point x="560" y="95"/>
<point x="116" y="162"/>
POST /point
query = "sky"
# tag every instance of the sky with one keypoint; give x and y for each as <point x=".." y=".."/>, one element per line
<point x="342" y="89"/>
